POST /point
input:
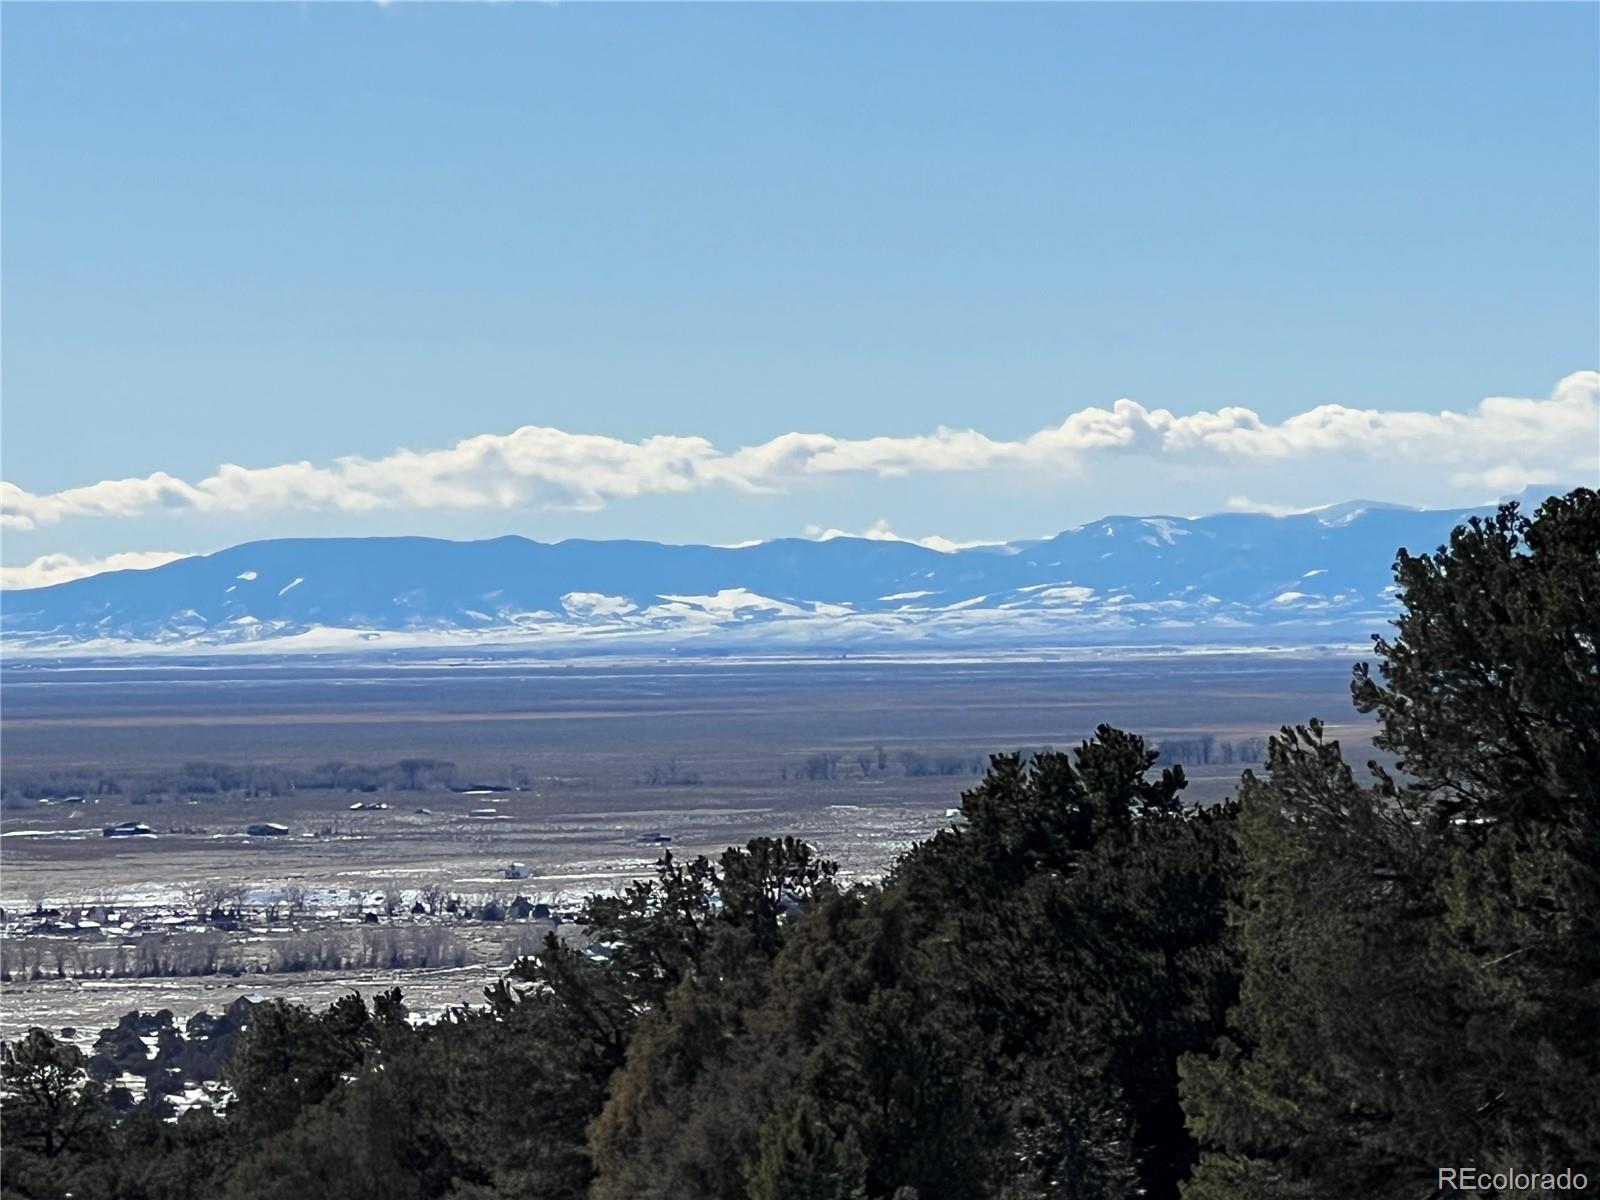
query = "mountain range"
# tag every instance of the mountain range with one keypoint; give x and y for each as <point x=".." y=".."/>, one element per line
<point x="1317" y="577"/>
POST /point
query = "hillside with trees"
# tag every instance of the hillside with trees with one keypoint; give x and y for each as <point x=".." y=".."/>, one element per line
<point x="1085" y="987"/>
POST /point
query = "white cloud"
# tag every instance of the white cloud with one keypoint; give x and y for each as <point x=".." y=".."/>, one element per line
<point x="1504" y="442"/>
<point x="59" y="568"/>
<point x="1509" y="477"/>
<point x="879" y="531"/>
<point x="1245" y="504"/>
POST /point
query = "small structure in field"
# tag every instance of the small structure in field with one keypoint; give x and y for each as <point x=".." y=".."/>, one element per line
<point x="266" y="829"/>
<point x="128" y="829"/>
<point x="516" y="871"/>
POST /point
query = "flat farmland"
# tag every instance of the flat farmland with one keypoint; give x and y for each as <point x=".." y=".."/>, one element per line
<point x="599" y="748"/>
<point x="584" y="769"/>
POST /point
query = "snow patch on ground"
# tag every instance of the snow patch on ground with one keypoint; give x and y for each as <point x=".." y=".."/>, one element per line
<point x="1166" y="528"/>
<point x="596" y="604"/>
<point x="728" y="602"/>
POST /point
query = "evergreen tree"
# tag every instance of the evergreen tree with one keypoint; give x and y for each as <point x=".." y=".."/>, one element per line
<point x="799" y="1157"/>
<point x="1001" y="1018"/>
<point x="54" y="1103"/>
<point x="290" y="1058"/>
<point x="1422" y="979"/>
<point x="1335" y="1051"/>
<point x="52" y="1119"/>
<point x="1082" y="989"/>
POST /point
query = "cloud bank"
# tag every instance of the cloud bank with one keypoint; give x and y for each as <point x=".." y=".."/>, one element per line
<point x="879" y="531"/>
<point x="59" y="568"/>
<point x="1503" y="443"/>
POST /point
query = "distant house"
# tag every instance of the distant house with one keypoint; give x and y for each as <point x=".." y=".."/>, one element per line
<point x="368" y="806"/>
<point x="516" y="871"/>
<point x="655" y="839"/>
<point x="266" y="829"/>
<point x="128" y="829"/>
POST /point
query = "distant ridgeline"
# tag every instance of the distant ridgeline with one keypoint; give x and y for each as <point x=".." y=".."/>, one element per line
<point x="1082" y="988"/>
<point x="1234" y="578"/>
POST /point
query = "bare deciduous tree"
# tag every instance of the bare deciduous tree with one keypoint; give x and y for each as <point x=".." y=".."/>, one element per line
<point x="432" y="894"/>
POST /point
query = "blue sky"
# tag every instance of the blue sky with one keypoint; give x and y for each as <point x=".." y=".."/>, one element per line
<point x="277" y="235"/>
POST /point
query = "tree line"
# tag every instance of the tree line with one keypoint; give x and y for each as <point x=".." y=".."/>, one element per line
<point x="1085" y="987"/>
<point x="203" y="778"/>
<point x="1200" y="750"/>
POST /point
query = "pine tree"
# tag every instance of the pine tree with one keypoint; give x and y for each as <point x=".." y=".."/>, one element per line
<point x="799" y="1157"/>
<point x="1490" y="695"/>
<point x="53" y="1120"/>
<point x="1422" y="979"/>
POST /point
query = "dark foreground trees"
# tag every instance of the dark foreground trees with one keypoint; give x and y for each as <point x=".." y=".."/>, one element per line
<point x="1008" y="1006"/>
<point x="1422" y="960"/>
<point x="54" y="1115"/>
<point x="1082" y="989"/>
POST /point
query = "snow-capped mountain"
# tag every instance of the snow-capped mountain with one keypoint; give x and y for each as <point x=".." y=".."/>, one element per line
<point x="1235" y="578"/>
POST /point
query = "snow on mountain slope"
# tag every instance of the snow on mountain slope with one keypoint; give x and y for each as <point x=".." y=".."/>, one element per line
<point x="1233" y="578"/>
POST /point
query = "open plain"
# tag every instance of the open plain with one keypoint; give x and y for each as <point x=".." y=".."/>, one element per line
<point x="400" y="783"/>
